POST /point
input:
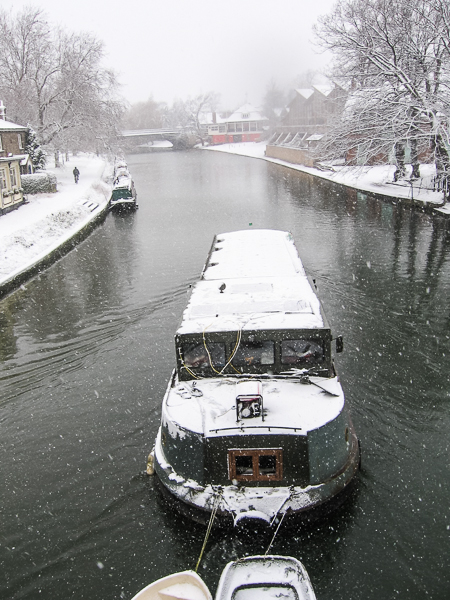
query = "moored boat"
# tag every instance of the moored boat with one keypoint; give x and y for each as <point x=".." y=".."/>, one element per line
<point x="254" y="422"/>
<point x="186" y="585"/>
<point x="267" y="577"/>
<point x="123" y="195"/>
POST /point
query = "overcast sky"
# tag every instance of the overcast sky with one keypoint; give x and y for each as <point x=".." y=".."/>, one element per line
<point x="177" y="48"/>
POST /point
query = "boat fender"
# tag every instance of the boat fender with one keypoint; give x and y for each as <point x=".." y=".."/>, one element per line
<point x="151" y="463"/>
<point x="251" y="515"/>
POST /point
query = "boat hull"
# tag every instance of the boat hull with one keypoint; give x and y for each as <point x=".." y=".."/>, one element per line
<point x="123" y="205"/>
<point x="244" y="504"/>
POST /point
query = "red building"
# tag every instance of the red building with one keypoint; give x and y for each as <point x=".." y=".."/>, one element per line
<point x="245" y="125"/>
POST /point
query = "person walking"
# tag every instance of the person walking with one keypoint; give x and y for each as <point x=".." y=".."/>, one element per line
<point x="76" y="174"/>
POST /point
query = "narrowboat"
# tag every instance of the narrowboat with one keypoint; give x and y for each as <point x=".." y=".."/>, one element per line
<point x="254" y="422"/>
<point x="123" y="195"/>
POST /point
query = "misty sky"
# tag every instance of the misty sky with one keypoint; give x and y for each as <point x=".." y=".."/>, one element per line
<point x="177" y="48"/>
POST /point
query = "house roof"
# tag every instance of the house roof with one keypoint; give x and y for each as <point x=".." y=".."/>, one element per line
<point x="305" y="92"/>
<point x="12" y="158"/>
<point x="323" y="89"/>
<point x="8" y="126"/>
<point x="251" y="114"/>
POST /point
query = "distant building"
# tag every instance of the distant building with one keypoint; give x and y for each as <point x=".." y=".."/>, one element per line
<point x="305" y="123"/>
<point x="13" y="138"/>
<point x="246" y="124"/>
<point x="13" y="161"/>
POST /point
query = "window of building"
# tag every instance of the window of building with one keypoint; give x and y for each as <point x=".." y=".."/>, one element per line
<point x="19" y="139"/>
<point x="3" y="182"/>
<point x="246" y="126"/>
<point x="253" y="126"/>
<point x="222" y="128"/>
<point x="231" y="127"/>
<point x="256" y="465"/>
<point x="245" y="115"/>
<point x="238" y="127"/>
<point x="13" y="176"/>
<point x="1" y="145"/>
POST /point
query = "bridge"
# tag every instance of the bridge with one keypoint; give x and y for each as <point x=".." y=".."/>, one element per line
<point x="149" y="133"/>
<point x="180" y="137"/>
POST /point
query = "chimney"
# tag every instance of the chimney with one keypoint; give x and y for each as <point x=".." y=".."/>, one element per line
<point x="214" y="117"/>
<point x="2" y="110"/>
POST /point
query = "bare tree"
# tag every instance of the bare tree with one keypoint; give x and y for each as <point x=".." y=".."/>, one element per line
<point x="394" y="57"/>
<point x="189" y="116"/>
<point x="145" y="115"/>
<point x="53" y="80"/>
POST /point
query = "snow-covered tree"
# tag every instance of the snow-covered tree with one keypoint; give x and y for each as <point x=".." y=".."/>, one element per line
<point x="34" y="150"/>
<point x="394" y="57"/>
<point x="53" y="79"/>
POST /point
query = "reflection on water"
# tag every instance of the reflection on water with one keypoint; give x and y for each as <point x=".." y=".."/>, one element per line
<point x="87" y="348"/>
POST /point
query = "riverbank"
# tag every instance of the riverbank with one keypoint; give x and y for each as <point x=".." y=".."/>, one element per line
<point x="48" y="225"/>
<point x="377" y="180"/>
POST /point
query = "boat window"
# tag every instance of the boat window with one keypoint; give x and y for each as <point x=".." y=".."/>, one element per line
<point x="196" y="355"/>
<point x="265" y="591"/>
<point x="268" y="464"/>
<point x="244" y="465"/>
<point x="254" y="353"/>
<point x="264" y="464"/>
<point x="300" y="352"/>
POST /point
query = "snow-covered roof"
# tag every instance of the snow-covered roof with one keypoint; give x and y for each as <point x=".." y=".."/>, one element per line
<point x="305" y="92"/>
<point x="247" y="112"/>
<point x="209" y="118"/>
<point x="315" y="137"/>
<point x="8" y="126"/>
<point x="324" y="89"/>
<point x="255" y="280"/>
<point x="11" y="158"/>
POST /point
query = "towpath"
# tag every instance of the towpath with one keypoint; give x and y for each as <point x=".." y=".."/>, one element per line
<point x="48" y="221"/>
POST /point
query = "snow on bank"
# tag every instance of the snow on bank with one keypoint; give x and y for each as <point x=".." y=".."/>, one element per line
<point x="377" y="179"/>
<point x="34" y="230"/>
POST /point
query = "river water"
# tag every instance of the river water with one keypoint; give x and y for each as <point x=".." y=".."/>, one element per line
<point x="86" y="350"/>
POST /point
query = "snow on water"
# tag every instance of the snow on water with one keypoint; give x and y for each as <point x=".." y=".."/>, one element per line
<point x="35" y="229"/>
<point x="377" y="179"/>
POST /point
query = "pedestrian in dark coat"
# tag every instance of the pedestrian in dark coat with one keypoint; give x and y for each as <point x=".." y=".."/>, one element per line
<point x="76" y="174"/>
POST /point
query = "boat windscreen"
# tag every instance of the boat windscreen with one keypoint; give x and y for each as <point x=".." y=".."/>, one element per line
<point x="255" y="353"/>
<point x="203" y="355"/>
<point x="301" y="352"/>
<point x="265" y="591"/>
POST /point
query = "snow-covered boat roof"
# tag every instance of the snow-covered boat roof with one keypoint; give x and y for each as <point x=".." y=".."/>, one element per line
<point x="122" y="181"/>
<point x="254" y="280"/>
<point x="214" y="415"/>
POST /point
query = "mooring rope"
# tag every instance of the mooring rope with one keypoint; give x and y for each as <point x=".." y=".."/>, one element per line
<point x="274" y="535"/>
<point x="208" y="531"/>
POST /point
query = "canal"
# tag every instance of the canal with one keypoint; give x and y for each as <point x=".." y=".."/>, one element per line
<point x="86" y="351"/>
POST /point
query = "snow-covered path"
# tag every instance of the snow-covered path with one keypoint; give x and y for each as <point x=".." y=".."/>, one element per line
<point x="34" y="230"/>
